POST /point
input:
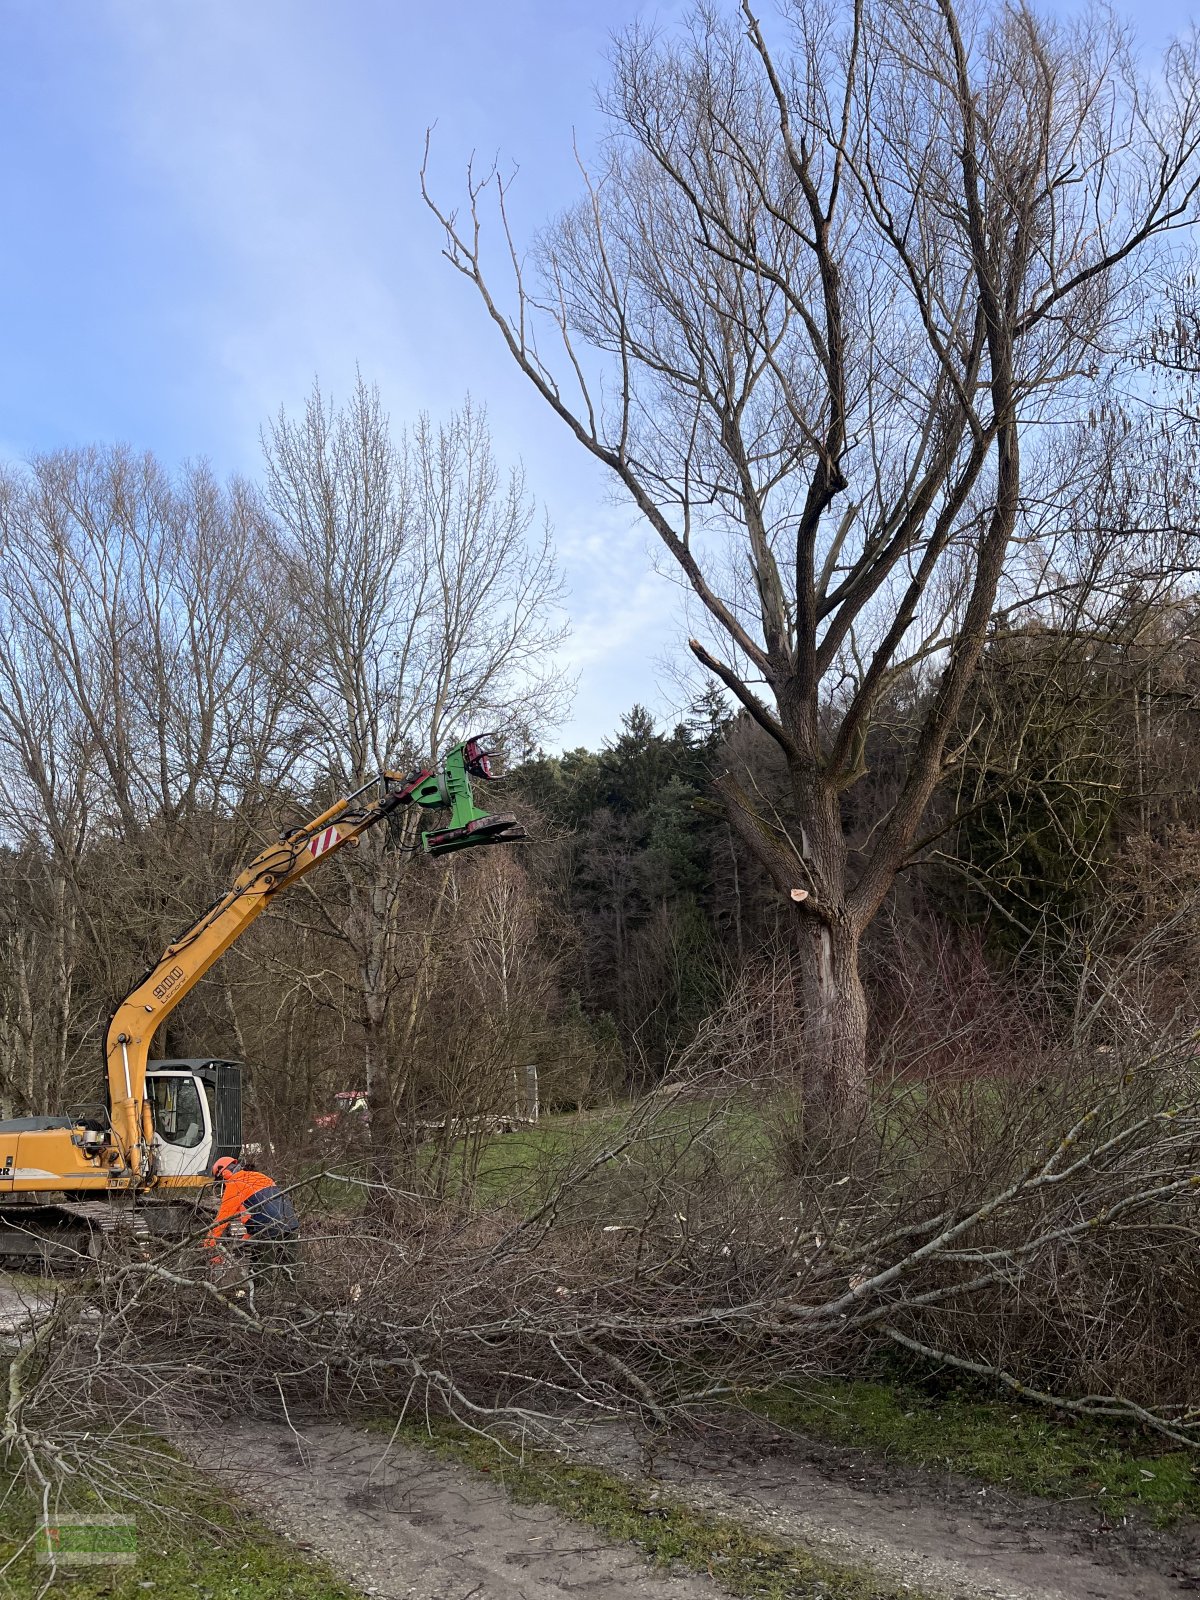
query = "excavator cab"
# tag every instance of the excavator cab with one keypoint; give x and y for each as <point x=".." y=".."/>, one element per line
<point x="196" y="1110"/>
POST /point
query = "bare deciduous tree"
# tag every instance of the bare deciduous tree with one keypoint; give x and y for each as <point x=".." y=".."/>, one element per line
<point x="829" y="311"/>
<point x="428" y="605"/>
<point x="140" y="713"/>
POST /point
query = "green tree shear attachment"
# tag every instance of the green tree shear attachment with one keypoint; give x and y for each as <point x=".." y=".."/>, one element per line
<point x="450" y="785"/>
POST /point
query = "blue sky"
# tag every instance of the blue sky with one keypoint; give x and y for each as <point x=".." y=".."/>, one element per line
<point x="210" y="202"/>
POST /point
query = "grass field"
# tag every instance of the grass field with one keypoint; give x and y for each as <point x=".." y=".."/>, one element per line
<point x="675" y="1143"/>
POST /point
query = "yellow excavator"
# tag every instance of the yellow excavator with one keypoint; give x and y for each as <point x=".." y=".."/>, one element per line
<point x="139" y="1168"/>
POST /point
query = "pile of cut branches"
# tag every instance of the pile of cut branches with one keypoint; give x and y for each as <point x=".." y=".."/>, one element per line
<point x="1041" y="1234"/>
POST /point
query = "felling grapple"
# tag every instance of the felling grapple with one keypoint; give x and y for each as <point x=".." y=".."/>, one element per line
<point x="451" y="786"/>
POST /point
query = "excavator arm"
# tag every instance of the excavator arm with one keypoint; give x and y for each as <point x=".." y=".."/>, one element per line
<point x="181" y="966"/>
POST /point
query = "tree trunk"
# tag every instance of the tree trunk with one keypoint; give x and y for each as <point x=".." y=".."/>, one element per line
<point x="810" y="870"/>
<point x="26" y="1029"/>
<point x="374" y="988"/>
<point x="835" y="1010"/>
<point x="64" y="984"/>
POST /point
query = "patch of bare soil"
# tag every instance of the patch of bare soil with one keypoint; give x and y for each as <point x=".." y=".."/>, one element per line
<point x="403" y="1526"/>
<point x="942" y="1534"/>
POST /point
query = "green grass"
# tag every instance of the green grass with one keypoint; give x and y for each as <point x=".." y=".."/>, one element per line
<point x="672" y="1534"/>
<point x="196" y="1546"/>
<point x="501" y="1168"/>
<point x="519" y="1166"/>
<point x="679" y="1143"/>
<point x="676" y="1148"/>
<point x="998" y="1441"/>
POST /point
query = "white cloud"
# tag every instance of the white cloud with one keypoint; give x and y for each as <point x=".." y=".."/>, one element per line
<point x="620" y="623"/>
<point x="626" y="618"/>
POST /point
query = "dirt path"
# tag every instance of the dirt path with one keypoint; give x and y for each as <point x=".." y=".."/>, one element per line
<point x="400" y="1524"/>
<point x="944" y="1535"/>
<point x="406" y="1527"/>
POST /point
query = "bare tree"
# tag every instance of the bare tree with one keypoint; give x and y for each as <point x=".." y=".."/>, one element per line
<point x="146" y="598"/>
<point x="429" y="608"/>
<point x="140" y="719"/>
<point x="829" y="311"/>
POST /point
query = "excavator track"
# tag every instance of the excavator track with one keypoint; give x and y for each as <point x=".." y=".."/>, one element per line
<point x="64" y="1236"/>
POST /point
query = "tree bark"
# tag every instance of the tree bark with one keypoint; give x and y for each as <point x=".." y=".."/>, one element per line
<point x="835" y="1056"/>
<point x="810" y="871"/>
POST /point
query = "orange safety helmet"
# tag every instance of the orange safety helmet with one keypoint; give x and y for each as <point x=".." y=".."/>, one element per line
<point x="226" y="1166"/>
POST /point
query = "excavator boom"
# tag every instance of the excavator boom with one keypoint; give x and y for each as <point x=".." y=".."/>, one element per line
<point x="270" y="874"/>
<point x="184" y="962"/>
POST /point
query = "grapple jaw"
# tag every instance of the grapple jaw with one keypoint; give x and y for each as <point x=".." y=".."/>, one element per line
<point x="477" y="759"/>
<point x="480" y="830"/>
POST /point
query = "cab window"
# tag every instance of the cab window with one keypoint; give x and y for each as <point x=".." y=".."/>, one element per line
<point x="178" y="1118"/>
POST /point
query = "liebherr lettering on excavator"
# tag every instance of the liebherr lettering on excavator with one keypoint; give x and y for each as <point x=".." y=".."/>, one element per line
<point x="141" y="1165"/>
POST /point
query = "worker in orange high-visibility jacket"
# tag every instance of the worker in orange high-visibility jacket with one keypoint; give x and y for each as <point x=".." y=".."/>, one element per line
<point x="257" y="1202"/>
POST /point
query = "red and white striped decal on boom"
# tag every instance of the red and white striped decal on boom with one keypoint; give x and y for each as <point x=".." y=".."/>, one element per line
<point x="320" y="842"/>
